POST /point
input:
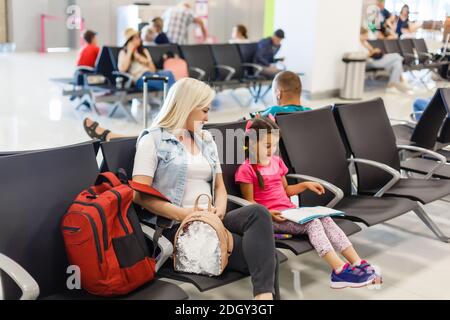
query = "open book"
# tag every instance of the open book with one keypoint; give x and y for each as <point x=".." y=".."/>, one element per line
<point x="305" y="214"/>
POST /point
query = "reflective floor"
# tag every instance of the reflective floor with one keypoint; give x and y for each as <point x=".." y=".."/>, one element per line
<point x="34" y="115"/>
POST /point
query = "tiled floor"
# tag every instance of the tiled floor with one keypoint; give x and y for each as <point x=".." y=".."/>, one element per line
<point x="415" y="265"/>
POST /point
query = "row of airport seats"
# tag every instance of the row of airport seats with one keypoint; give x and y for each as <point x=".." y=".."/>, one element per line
<point x="414" y="52"/>
<point x="223" y="66"/>
<point x="39" y="186"/>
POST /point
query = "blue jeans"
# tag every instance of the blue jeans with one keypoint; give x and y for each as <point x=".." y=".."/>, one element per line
<point x="419" y="106"/>
<point x="156" y="85"/>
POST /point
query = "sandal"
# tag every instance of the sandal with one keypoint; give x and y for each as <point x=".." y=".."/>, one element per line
<point x="90" y="130"/>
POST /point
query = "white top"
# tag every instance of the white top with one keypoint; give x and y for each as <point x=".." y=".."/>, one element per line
<point x="136" y="69"/>
<point x="198" y="181"/>
<point x="199" y="173"/>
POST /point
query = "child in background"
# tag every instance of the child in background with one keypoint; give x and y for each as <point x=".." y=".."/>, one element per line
<point x="262" y="180"/>
<point x="89" y="52"/>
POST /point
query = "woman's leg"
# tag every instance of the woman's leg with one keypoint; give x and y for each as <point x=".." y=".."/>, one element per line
<point x="99" y="130"/>
<point x="396" y="70"/>
<point x="340" y="240"/>
<point x="254" y="247"/>
<point x="392" y="62"/>
<point x="320" y="242"/>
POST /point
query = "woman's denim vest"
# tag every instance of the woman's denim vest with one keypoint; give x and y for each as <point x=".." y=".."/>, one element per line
<point x="171" y="171"/>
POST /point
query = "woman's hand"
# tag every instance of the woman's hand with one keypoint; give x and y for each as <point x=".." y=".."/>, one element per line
<point x="131" y="47"/>
<point x="276" y="216"/>
<point x="140" y="58"/>
<point x="315" y="187"/>
<point x="220" y="212"/>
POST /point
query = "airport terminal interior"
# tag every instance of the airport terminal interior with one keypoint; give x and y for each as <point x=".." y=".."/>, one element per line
<point x="380" y="67"/>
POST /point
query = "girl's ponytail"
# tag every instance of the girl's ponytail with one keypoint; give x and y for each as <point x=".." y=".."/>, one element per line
<point x="258" y="124"/>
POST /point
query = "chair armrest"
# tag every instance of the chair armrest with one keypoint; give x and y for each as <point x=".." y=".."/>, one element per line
<point x="441" y="159"/>
<point x="163" y="243"/>
<point x="338" y="193"/>
<point x="85" y="69"/>
<point x="239" y="201"/>
<point x="29" y="286"/>
<point x="410" y="123"/>
<point x="128" y="77"/>
<point x="411" y="55"/>
<point x="395" y="174"/>
<point x="412" y="114"/>
<point x="201" y="72"/>
<point x="231" y="71"/>
<point x="257" y="67"/>
<point x="122" y="74"/>
<point x="425" y="54"/>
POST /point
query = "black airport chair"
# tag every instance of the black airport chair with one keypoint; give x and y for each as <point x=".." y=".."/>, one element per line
<point x="320" y="155"/>
<point x="227" y="55"/>
<point x="38" y="188"/>
<point x="376" y="158"/>
<point x="157" y="52"/>
<point x="425" y="57"/>
<point x="431" y="132"/>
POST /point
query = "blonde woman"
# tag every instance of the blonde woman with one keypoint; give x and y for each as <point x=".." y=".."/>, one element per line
<point x="181" y="160"/>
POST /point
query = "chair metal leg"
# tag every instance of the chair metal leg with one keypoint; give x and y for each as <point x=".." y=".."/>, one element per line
<point x="236" y="98"/>
<point x="258" y="92"/>
<point x="421" y="213"/>
<point x="115" y="107"/>
<point x="277" y="295"/>
<point x="127" y="112"/>
<point x="263" y="96"/>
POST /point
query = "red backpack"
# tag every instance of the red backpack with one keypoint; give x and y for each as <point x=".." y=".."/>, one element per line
<point x="103" y="237"/>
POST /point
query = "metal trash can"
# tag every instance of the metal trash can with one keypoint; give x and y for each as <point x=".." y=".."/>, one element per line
<point x="355" y="68"/>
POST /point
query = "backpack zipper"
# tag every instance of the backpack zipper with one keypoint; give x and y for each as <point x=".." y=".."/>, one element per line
<point x="119" y="210"/>
<point x="102" y="218"/>
<point x="94" y="230"/>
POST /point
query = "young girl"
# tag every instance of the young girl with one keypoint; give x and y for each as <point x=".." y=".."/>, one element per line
<point x="262" y="180"/>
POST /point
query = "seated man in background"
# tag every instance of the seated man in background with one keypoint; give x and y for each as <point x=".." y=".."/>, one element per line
<point x="266" y="51"/>
<point x="287" y="91"/>
<point x="147" y="36"/>
<point x="392" y="62"/>
<point x="88" y="53"/>
<point x="160" y="35"/>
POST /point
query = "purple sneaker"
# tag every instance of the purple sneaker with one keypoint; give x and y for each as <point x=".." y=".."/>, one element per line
<point x="367" y="267"/>
<point x="351" y="277"/>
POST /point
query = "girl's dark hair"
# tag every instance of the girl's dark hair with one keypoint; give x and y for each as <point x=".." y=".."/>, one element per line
<point x="404" y="7"/>
<point x="259" y="126"/>
<point x="140" y="49"/>
<point x="242" y="30"/>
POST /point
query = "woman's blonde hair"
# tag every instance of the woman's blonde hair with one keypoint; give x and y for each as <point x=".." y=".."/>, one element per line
<point x="183" y="97"/>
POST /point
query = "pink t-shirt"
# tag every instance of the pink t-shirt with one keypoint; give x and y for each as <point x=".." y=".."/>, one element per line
<point x="273" y="196"/>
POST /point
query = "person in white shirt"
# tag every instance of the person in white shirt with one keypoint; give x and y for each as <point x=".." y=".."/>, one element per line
<point x="177" y="21"/>
<point x="392" y="62"/>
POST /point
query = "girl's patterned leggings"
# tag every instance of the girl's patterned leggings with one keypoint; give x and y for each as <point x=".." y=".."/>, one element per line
<point x="324" y="234"/>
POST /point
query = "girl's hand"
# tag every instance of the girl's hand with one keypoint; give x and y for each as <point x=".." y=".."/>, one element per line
<point x="276" y="216"/>
<point x="315" y="187"/>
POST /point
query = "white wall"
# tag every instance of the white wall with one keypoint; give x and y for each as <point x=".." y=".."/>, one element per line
<point x="224" y="14"/>
<point x="318" y="33"/>
<point x="298" y="20"/>
<point x="101" y="16"/>
<point x="24" y="23"/>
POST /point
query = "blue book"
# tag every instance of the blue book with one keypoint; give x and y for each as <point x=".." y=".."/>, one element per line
<point x="305" y="214"/>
